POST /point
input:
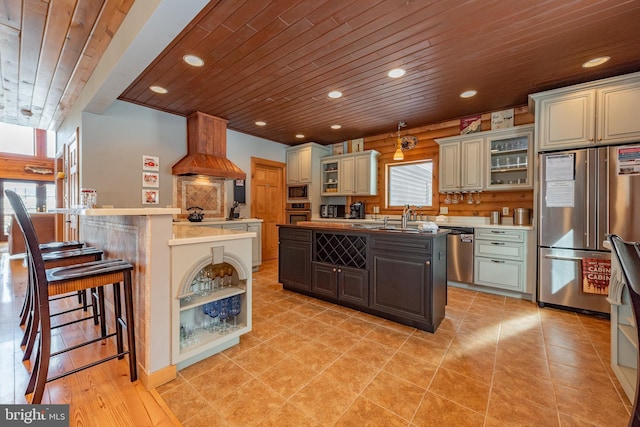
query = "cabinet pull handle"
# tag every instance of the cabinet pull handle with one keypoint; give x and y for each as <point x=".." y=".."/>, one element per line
<point x="497" y="231"/>
<point x="497" y="261"/>
<point x="428" y="262"/>
<point x="497" y="243"/>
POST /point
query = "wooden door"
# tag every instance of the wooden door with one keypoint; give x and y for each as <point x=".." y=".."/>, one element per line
<point x="71" y="189"/>
<point x="267" y="201"/>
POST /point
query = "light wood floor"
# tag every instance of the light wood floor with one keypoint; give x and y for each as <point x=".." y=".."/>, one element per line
<point x="100" y="396"/>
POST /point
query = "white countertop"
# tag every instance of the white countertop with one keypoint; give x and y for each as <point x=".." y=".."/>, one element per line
<point x="476" y="222"/>
<point x="189" y="235"/>
<point x="217" y="221"/>
<point x="116" y="211"/>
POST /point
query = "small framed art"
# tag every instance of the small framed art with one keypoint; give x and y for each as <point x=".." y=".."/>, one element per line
<point x="150" y="163"/>
<point x="150" y="179"/>
<point x="150" y="197"/>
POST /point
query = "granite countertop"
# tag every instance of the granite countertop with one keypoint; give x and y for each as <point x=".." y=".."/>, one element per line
<point x="116" y="211"/>
<point x="216" y="221"/>
<point x="371" y="227"/>
<point x="476" y="222"/>
<point x="189" y="235"/>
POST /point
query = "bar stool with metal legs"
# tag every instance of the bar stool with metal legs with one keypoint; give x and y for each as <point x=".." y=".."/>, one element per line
<point x="73" y="278"/>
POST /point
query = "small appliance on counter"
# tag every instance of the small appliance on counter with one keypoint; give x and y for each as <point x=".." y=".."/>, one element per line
<point x="195" y="214"/>
<point x="356" y="210"/>
<point x="332" y="211"/>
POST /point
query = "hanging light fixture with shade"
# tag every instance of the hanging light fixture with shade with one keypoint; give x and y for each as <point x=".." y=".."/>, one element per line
<point x="398" y="155"/>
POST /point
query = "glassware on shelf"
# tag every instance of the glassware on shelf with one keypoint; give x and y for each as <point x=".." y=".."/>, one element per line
<point x="234" y="310"/>
<point x="223" y="314"/>
<point x="214" y="310"/>
<point x="229" y="277"/>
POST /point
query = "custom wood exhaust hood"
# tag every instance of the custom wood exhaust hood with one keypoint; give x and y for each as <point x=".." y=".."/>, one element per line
<point x="207" y="149"/>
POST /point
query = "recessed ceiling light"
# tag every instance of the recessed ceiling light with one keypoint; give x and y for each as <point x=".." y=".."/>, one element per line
<point x="396" y="72"/>
<point x="336" y="126"/>
<point x="468" y="94"/>
<point x="261" y="123"/>
<point x="300" y="136"/>
<point x="595" y="62"/>
<point x="158" y="89"/>
<point x="193" y="60"/>
<point x="335" y="94"/>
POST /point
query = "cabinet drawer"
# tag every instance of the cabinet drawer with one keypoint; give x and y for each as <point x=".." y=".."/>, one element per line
<point x="499" y="273"/>
<point x="293" y="234"/>
<point x="500" y="250"/>
<point x="500" y="234"/>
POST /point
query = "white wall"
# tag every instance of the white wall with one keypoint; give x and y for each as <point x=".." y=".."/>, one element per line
<point x="113" y="143"/>
<point x="112" y="147"/>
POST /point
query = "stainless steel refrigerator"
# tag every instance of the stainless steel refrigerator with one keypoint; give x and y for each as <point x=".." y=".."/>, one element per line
<point x="584" y="195"/>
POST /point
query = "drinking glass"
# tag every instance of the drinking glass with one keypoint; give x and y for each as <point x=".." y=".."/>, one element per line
<point x="229" y="278"/>
<point x="470" y="198"/>
<point x="447" y="199"/>
<point x="214" y="311"/>
<point x="206" y="309"/>
<point x="234" y="310"/>
<point x="221" y="280"/>
<point x="455" y="200"/>
<point x="223" y="314"/>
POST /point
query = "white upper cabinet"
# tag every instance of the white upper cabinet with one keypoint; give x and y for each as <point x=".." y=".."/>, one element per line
<point x="601" y="112"/>
<point x="299" y="165"/>
<point x="303" y="162"/>
<point x="461" y="163"/>
<point x="354" y="174"/>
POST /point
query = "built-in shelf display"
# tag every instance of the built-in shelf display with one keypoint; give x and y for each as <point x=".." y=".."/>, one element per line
<point x="330" y="177"/>
<point x="509" y="162"/>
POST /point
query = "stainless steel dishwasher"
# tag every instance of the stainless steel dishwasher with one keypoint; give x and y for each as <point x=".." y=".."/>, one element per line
<point x="459" y="254"/>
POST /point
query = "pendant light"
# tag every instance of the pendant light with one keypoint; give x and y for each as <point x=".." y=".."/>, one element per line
<point x="398" y="155"/>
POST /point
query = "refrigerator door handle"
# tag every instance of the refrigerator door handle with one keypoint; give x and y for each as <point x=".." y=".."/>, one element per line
<point x="588" y="207"/>
<point x="563" y="258"/>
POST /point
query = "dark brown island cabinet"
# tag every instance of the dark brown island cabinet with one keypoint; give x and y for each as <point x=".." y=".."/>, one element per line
<point x="396" y="275"/>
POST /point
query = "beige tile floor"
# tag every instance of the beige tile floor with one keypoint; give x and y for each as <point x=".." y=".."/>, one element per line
<point x="493" y="361"/>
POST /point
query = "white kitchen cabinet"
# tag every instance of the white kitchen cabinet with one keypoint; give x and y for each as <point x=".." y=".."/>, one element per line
<point x="510" y="160"/>
<point x="303" y="161"/>
<point x="499" y="259"/>
<point x="354" y="174"/>
<point x="461" y="163"/>
<point x="600" y="112"/>
<point x="256" y="247"/>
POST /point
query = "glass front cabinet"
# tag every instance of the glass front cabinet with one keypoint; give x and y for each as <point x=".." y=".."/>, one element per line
<point x="509" y="161"/>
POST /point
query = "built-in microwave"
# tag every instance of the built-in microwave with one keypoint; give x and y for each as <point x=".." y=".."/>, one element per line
<point x="297" y="193"/>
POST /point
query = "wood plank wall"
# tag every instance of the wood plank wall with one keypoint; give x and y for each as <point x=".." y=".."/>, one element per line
<point x="427" y="148"/>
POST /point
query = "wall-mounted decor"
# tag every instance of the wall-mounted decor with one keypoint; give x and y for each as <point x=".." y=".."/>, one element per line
<point x="150" y="197"/>
<point x="150" y="163"/>
<point x="339" y="148"/>
<point x="470" y="124"/>
<point x="150" y="179"/>
<point x="357" y="145"/>
<point x="502" y="119"/>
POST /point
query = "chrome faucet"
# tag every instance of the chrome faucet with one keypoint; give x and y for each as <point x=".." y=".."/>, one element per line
<point x="405" y="215"/>
<point x="386" y="222"/>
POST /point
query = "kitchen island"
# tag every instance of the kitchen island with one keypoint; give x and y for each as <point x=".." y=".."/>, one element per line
<point x="396" y="274"/>
<point x="145" y="237"/>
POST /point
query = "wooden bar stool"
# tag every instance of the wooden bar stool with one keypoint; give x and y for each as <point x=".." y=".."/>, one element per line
<point x="46" y="248"/>
<point x="60" y="259"/>
<point x="79" y="277"/>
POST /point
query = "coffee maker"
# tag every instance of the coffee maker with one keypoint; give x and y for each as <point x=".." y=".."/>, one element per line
<point x="356" y="210"/>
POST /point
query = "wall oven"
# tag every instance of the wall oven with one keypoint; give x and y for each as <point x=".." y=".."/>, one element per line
<point x="297" y="193"/>
<point x="296" y="212"/>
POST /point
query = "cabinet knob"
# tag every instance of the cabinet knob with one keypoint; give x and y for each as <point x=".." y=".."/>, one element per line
<point x="428" y="262"/>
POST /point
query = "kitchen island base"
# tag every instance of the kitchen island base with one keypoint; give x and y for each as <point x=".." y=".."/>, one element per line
<point x="394" y="275"/>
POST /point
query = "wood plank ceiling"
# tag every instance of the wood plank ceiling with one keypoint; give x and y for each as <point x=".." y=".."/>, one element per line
<point x="276" y="61"/>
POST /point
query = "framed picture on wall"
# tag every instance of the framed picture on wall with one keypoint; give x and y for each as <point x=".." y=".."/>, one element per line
<point x="150" y="179"/>
<point x="150" y="163"/>
<point x="150" y="197"/>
